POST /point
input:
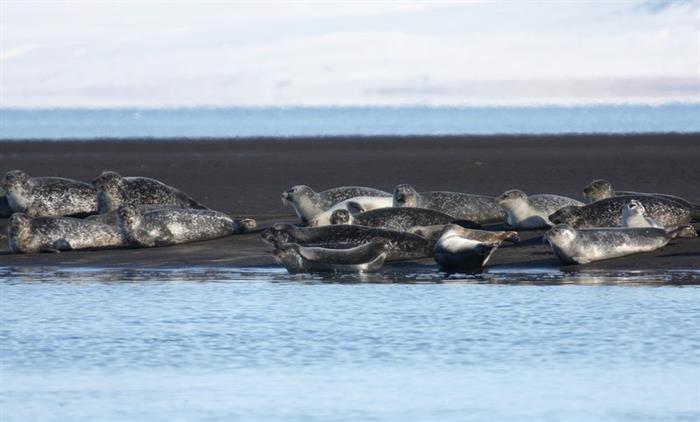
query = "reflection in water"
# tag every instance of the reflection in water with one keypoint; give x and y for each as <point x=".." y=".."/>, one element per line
<point x="408" y="275"/>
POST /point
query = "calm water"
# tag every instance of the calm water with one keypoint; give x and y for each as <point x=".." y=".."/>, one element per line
<point x="258" y="344"/>
<point x="314" y="121"/>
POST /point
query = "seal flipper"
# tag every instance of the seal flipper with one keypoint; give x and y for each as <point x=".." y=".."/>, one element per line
<point x="467" y="224"/>
<point x="57" y="246"/>
<point x="685" y="231"/>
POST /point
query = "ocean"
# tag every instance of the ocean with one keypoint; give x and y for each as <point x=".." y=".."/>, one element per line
<point x="257" y="344"/>
<point x="339" y="121"/>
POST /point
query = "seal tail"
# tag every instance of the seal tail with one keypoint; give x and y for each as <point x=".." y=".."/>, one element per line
<point x="694" y="212"/>
<point x="467" y="224"/>
<point x="684" y="231"/>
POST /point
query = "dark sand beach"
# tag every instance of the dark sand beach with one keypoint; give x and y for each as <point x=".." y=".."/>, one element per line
<point x="245" y="177"/>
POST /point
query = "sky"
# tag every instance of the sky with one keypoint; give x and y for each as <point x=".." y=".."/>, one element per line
<point x="214" y="53"/>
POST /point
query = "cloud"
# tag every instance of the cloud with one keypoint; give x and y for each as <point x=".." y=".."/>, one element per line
<point x="219" y="54"/>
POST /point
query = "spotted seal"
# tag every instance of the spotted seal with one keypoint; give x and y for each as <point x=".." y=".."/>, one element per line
<point x="367" y="257"/>
<point x="459" y="248"/>
<point x="113" y="191"/>
<point x="358" y="204"/>
<point x="112" y="217"/>
<point x="5" y="208"/>
<point x="48" y="196"/>
<point x="480" y="209"/>
<point x="166" y="227"/>
<point x="404" y="246"/>
<point x="401" y="219"/>
<point x="602" y="189"/>
<point x="582" y="246"/>
<point x="307" y="204"/>
<point x="54" y="234"/>
<point x="527" y="212"/>
<point x="608" y="212"/>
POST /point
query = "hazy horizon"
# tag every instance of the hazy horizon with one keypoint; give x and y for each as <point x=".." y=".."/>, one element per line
<point x="184" y="55"/>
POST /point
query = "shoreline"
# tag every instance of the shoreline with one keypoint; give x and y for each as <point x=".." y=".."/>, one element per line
<point x="245" y="177"/>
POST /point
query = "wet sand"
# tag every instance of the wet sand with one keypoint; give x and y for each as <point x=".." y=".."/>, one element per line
<point x="245" y="177"/>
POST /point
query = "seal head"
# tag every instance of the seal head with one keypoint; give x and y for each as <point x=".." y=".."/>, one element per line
<point x="597" y="190"/>
<point x="570" y="215"/>
<point x="405" y="195"/>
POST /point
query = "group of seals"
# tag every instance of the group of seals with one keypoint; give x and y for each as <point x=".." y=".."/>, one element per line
<point x="448" y="223"/>
<point x="608" y="212"/>
<point x="618" y="223"/>
<point x="121" y="211"/>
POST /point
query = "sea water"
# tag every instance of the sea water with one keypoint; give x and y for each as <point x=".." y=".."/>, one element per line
<point x="257" y="344"/>
<point x="339" y="121"/>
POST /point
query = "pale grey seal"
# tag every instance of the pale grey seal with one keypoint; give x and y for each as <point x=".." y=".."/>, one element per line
<point x="608" y="212"/>
<point x="460" y="249"/>
<point x="357" y="204"/>
<point x="582" y="246"/>
<point x="166" y="227"/>
<point x="403" y="245"/>
<point x="531" y="212"/>
<point x="401" y="219"/>
<point x="54" y="234"/>
<point x="602" y="189"/>
<point x="5" y="208"/>
<point x="113" y="191"/>
<point x="48" y="196"/>
<point x="634" y="215"/>
<point x="307" y="204"/>
<point x="480" y="209"/>
<point x="367" y="257"/>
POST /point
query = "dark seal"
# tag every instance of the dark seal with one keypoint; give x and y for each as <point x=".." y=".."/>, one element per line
<point x="404" y="245"/>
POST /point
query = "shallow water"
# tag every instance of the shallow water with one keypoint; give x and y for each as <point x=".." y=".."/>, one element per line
<point x="337" y="121"/>
<point x="259" y="344"/>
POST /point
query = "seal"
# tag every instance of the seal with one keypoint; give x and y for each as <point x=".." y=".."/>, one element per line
<point x="48" y="196"/>
<point x="358" y="204"/>
<point x="401" y="219"/>
<point x="5" y="208"/>
<point x="608" y="212"/>
<point x="582" y="246"/>
<point x="477" y="208"/>
<point x="113" y="191"/>
<point x="404" y="246"/>
<point x="54" y="234"/>
<point x="531" y="212"/>
<point x="367" y="257"/>
<point x="602" y="189"/>
<point x="174" y="226"/>
<point x="634" y="215"/>
<point x="112" y="217"/>
<point x="307" y="204"/>
<point x="461" y="249"/>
